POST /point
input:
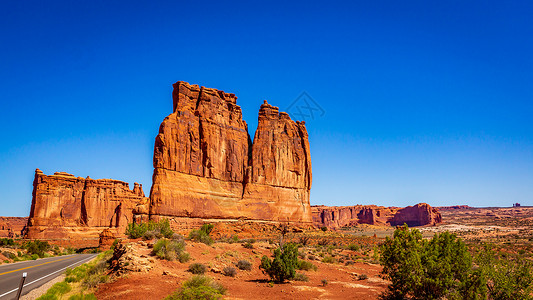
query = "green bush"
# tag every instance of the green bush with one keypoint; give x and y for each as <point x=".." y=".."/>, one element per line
<point x="248" y="245"/>
<point x="197" y="268"/>
<point x="283" y="266"/>
<point x="199" y="287"/>
<point x="171" y="250"/>
<point x="7" y="242"/>
<point x="202" y="235"/>
<point x="435" y="269"/>
<point x="9" y="255"/>
<point x="244" y="265"/>
<point x="36" y="247"/>
<point x="505" y="278"/>
<point x="149" y="230"/>
<point x="306" y="266"/>
<point x="300" y="277"/>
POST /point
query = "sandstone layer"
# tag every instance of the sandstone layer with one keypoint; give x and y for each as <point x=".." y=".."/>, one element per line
<point x="205" y="165"/>
<point x="74" y="210"/>
<point x="334" y="217"/>
<point x="11" y="227"/>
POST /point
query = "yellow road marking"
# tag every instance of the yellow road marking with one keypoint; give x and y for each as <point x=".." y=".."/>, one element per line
<point x="33" y="266"/>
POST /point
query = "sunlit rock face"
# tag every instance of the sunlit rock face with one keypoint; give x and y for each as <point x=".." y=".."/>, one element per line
<point x="206" y="166"/>
<point x="74" y="210"/>
<point x="334" y="217"/>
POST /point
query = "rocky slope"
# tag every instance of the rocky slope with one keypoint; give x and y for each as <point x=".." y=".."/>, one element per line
<point x="334" y="217"/>
<point x="74" y="210"/>
<point x="205" y="165"/>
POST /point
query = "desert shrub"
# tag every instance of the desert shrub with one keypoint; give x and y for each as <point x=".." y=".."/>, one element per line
<point x="197" y="268"/>
<point x="171" y="250"/>
<point x="36" y="247"/>
<point x="202" y="235"/>
<point x="7" y="242"/>
<point x="248" y="245"/>
<point x="149" y="230"/>
<point x="324" y="228"/>
<point x="349" y="262"/>
<point x="304" y="240"/>
<point x="300" y="277"/>
<point x="324" y="282"/>
<point x="323" y="242"/>
<point x="9" y="255"/>
<point x="306" y="266"/>
<point x="329" y="259"/>
<point x="244" y="265"/>
<point x="229" y="271"/>
<point x="506" y="278"/>
<point x="35" y="256"/>
<point x="435" y="269"/>
<point x="353" y="247"/>
<point x="199" y="287"/>
<point x="283" y="266"/>
<point x="362" y="277"/>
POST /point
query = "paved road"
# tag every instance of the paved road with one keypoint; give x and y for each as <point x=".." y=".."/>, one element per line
<point x="38" y="272"/>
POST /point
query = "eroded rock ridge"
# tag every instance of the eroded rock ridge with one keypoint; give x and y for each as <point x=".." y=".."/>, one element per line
<point x="334" y="217"/>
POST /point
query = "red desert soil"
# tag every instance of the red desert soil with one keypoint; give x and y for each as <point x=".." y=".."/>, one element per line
<point x="342" y="280"/>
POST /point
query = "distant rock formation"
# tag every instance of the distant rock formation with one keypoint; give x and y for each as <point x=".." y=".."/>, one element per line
<point x="334" y="217"/>
<point x="205" y="165"/>
<point x="11" y="227"/>
<point x="454" y="207"/>
<point x="74" y="210"/>
<point x="417" y="215"/>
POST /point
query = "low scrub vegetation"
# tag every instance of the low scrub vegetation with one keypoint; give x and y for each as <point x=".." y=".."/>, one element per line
<point x="244" y="265"/>
<point x="197" y="268"/>
<point x="442" y="268"/>
<point x="149" y="230"/>
<point x="171" y="250"/>
<point x="284" y="264"/>
<point x="86" y="276"/>
<point x="229" y="271"/>
<point x="202" y="235"/>
<point x="37" y="247"/>
<point x="306" y="266"/>
<point x="199" y="287"/>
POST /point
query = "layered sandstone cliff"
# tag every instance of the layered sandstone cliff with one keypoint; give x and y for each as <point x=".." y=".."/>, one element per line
<point x="73" y="209"/>
<point x="334" y="217"/>
<point x="11" y="227"/>
<point x="205" y="165"/>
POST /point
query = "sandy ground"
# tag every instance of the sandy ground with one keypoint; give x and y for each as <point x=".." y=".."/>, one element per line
<point x="343" y="282"/>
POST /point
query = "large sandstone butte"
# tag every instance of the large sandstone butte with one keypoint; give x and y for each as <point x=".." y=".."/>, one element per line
<point x="74" y="210"/>
<point x="206" y="167"/>
<point x="334" y="217"/>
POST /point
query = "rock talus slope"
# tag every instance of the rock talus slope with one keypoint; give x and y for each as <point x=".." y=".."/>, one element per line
<point x="71" y="209"/>
<point x="205" y="165"/>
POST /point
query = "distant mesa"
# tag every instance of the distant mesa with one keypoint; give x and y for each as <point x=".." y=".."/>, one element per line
<point x="334" y="217"/>
<point x="12" y="227"/>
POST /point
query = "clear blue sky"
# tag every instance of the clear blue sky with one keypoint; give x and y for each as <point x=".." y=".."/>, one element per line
<point x="424" y="101"/>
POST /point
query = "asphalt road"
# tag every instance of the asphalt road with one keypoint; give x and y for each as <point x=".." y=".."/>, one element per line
<point x="38" y="272"/>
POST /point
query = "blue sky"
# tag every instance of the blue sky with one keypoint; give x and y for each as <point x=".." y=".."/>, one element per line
<point x="424" y="101"/>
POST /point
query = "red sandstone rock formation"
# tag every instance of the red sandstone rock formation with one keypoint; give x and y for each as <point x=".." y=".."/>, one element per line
<point x="417" y="215"/>
<point x="454" y="207"/>
<point x="205" y="165"/>
<point x="11" y="227"/>
<point x="74" y="210"/>
<point x="340" y="216"/>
